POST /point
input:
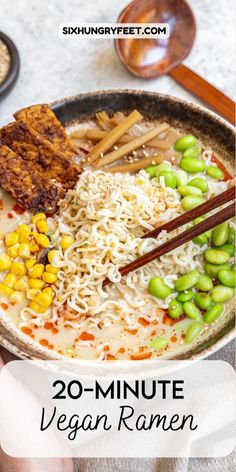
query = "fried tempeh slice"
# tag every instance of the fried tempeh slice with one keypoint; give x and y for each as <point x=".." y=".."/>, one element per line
<point x="39" y="154"/>
<point x="32" y="190"/>
<point x="44" y="121"/>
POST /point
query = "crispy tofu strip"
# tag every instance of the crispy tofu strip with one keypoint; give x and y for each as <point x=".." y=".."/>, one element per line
<point x="32" y="190"/>
<point x="44" y="121"/>
<point x="39" y="154"/>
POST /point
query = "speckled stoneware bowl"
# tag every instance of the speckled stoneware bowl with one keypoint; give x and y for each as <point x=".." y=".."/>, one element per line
<point x="210" y="128"/>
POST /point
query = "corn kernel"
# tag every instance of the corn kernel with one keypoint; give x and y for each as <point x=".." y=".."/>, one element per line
<point x="49" y="291"/>
<point x="31" y="293"/>
<point x="18" y="268"/>
<point x="53" y="256"/>
<point x="36" y="271"/>
<point x="51" y="269"/>
<point x="10" y="280"/>
<point x="4" y="290"/>
<point x="24" y="229"/>
<point x="42" y="226"/>
<point x="24" y="251"/>
<point x="11" y="239"/>
<point x="30" y="263"/>
<point x="42" y="240"/>
<point x="33" y="246"/>
<point x="13" y="251"/>
<point x="36" y="307"/>
<point x="36" y="283"/>
<point x="24" y="238"/>
<point x="37" y="217"/>
<point x="5" y="261"/>
<point x="49" y="278"/>
<point x="66" y="241"/>
<point x="43" y="299"/>
<point x="17" y="297"/>
<point x="22" y="284"/>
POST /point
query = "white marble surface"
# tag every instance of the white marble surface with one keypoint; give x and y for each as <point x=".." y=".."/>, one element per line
<point x="52" y="68"/>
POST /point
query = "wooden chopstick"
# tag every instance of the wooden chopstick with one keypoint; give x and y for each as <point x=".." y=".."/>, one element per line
<point x="209" y="223"/>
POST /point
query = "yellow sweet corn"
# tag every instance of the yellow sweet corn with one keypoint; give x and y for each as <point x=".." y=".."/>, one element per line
<point x="13" y="251"/>
<point x="51" y="269"/>
<point x="37" y="217"/>
<point x="36" y="283"/>
<point x="36" y="271"/>
<point x="53" y="256"/>
<point x="31" y="293"/>
<point x="17" y="297"/>
<point x="24" y="251"/>
<point x="10" y="280"/>
<point x="66" y="241"/>
<point x="4" y="290"/>
<point x="24" y="238"/>
<point x="5" y="261"/>
<point x="43" y="299"/>
<point x="42" y="226"/>
<point x="36" y="307"/>
<point x="11" y="239"/>
<point x="18" y="268"/>
<point x="22" y="284"/>
<point x="42" y="240"/>
<point x="49" y="291"/>
<point x="30" y="263"/>
<point x="49" y="278"/>
<point x="24" y="229"/>
<point x="34" y="246"/>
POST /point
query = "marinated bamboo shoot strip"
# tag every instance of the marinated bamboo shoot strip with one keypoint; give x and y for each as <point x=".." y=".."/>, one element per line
<point x="114" y="135"/>
<point x="131" y="146"/>
<point x="98" y="134"/>
<point x="103" y="121"/>
<point x="134" y="166"/>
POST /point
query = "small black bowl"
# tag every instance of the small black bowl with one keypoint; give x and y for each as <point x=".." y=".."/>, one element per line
<point x="11" y="77"/>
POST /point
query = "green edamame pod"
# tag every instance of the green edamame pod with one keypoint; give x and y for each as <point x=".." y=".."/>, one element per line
<point x="192" y="311"/>
<point x="203" y="300"/>
<point x="163" y="166"/>
<point x="230" y="248"/>
<point x="204" y="283"/>
<point x="215" y="172"/>
<point x="159" y="343"/>
<point x="221" y="293"/>
<point x="191" y="201"/>
<point x="187" y="281"/>
<point x="193" y="166"/>
<point x="151" y="170"/>
<point x="220" y="234"/>
<point x="216" y="256"/>
<point x="185" y="296"/>
<point x="158" y="288"/>
<point x="175" y="309"/>
<point x="192" y="152"/>
<point x="186" y="142"/>
<point x="213" y="313"/>
<point x="227" y="277"/>
<point x="169" y="178"/>
<point x="185" y="190"/>
<point x="181" y="177"/>
<point x="231" y="237"/>
<point x="199" y="183"/>
<point x="212" y="269"/>
<point x="194" y="330"/>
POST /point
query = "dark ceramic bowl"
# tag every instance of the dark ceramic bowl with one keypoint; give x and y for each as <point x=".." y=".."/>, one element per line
<point x="12" y="75"/>
<point x="212" y="130"/>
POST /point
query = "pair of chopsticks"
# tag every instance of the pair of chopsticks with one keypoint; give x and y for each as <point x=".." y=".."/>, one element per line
<point x="182" y="238"/>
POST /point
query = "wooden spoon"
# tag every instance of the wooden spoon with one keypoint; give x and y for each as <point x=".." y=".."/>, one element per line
<point x="150" y="58"/>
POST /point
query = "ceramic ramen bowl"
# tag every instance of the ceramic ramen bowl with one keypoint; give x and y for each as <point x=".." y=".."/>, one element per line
<point x="212" y="130"/>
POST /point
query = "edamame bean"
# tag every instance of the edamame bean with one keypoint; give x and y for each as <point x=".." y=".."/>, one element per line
<point x="203" y="300"/>
<point x="169" y="178"/>
<point x="186" y="142"/>
<point x="200" y="183"/>
<point x="158" y="288"/>
<point x="227" y="277"/>
<point x="230" y="248"/>
<point x="221" y="294"/>
<point x="212" y="269"/>
<point x="163" y="166"/>
<point x="204" y="283"/>
<point x="181" y="177"/>
<point x="194" y="330"/>
<point x="201" y="239"/>
<point x="185" y="296"/>
<point x="215" y="172"/>
<point x="213" y="313"/>
<point x="216" y="256"/>
<point x="192" y="311"/>
<point x="191" y="201"/>
<point x="151" y="170"/>
<point x="185" y="190"/>
<point x="159" y="343"/>
<point x="193" y="166"/>
<point x="192" y="152"/>
<point x="187" y="281"/>
<point x="231" y="237"/>
<point x="220" y="234"/>
<point x="175" y="309"/>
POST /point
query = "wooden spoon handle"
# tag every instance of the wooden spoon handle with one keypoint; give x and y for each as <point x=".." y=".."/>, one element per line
<point x="223" y="105"/>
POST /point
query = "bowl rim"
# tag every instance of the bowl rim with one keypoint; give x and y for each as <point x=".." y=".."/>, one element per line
<point x="55" y="105"/>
